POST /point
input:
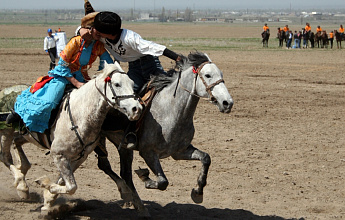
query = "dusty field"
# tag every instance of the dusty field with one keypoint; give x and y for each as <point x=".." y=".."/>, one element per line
<point x="278" y="155"/>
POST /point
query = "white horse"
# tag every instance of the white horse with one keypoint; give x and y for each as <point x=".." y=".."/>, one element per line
<point x="76" y="132"/>
<point x="167" y="126"/>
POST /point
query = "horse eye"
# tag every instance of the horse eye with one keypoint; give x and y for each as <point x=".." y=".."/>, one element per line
<point x="208" y="76"/>
<point x="117" y="85"/>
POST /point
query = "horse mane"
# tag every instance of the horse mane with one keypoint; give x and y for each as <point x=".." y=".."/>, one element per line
<point x="161" y="81"/>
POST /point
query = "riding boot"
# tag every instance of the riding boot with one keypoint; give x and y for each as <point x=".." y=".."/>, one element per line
<point x="131" y="140"/>
<point x="131" y="136"/>
<point x="12" y="117"/>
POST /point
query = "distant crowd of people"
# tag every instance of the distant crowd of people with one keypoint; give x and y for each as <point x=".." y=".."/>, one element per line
<point x="304" y="35"/>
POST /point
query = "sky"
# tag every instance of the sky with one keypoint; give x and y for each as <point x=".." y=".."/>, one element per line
<point x="174" y="4"/>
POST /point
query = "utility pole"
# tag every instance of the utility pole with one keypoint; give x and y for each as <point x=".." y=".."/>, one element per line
<point x="290" y="7"/>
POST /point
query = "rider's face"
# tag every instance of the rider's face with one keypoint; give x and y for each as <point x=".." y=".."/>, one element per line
<point x="109" y="36"/>
<point x="95" y="34"/>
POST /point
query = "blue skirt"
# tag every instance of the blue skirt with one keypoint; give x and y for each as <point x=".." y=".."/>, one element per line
<point x="35" y="109"/>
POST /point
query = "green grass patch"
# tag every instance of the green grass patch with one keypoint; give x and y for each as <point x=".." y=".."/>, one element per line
<point x="202" y="44"/>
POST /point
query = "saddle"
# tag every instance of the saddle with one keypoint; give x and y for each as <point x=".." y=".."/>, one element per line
<point x="43" y="140"/>
<point x="115" y="121"/>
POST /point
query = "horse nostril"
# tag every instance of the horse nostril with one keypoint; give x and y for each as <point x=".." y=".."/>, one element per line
<point x="134" y="109"/>
<point x="227" y="104"/>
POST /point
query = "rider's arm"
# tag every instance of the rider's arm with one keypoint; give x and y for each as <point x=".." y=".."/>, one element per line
<point x="171" y="54"/>
<point x="75" y="82"/>
<point x="85" y="33"/>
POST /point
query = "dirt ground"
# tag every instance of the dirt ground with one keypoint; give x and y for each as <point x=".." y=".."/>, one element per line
<point x="278" y="155"/>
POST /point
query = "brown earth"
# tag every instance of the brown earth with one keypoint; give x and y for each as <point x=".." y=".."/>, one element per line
<point x="278" y="155"/>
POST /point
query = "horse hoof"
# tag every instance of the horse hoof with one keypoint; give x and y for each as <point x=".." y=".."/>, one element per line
<point x="144" y="214"/>
<point x="24" y="195"/>
<point x="142" y="172"/>
<point x="197" y="198"/>
<point x="126" y="196"/>
<point x="43" y="181"/>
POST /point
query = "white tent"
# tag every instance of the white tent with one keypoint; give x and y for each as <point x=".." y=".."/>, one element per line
<point x="61" y="43"/>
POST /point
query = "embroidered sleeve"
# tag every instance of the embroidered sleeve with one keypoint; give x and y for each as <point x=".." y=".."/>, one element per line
<point x="61" y="69"/>
<point x="71" y="49"/>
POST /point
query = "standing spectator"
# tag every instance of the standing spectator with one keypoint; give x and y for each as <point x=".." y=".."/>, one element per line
<point x="299" y="39"/>
<point x="50" y="47"/>
<point x="295" y="36"/>
<point x="331" y="38"/>
<point x="305" y="38"/>
<point x="288" y="44"/>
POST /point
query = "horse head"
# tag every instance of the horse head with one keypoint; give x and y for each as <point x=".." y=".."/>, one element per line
<point x="118" y="91"/>
<point x="210" y="84"/>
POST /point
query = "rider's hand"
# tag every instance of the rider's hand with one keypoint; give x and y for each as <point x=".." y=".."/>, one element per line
<point x="79" y="84"/>
<point x="85" y="33"/>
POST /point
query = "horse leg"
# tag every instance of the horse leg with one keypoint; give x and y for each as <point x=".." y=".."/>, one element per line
<point x="6" y="138"/>
<point x="125" y="185"/>
<point x="104" y="165"/>
<point x="24" y="166"/>
<point x="66" y="183"/>
<point x="152" y="160"/>
<point x="126" y="160"/>
<point x="19" y="171"/>
<point x="66" y="173"/>
<point x="193" y="153"/>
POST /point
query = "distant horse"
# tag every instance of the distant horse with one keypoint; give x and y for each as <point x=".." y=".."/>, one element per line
<point x="338" y="38"/>
<point x="312" y="39"/>
<point x="167" y="126"/>
<point x="324" y="40"/>
<point x="317" y="39"/>
<point x="75" y="133"/>
<point x="281" y="37"/>
<point x="265" y="36"/>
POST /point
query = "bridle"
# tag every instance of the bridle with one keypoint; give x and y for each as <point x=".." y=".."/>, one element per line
<point x="196" y="72"/>
<point x="116" y="98"/>
<point x="114" y="104"/>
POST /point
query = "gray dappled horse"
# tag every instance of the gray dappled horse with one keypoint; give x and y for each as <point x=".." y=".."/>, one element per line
<point x="86" y="110"/>
<point x="167" y="126"/>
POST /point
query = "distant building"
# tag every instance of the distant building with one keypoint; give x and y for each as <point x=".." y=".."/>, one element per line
<point x="317" y="15"/>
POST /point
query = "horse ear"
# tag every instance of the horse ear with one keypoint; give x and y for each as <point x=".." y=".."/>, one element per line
<point x="106" y="69"/>
<point x="208" y="57"/>
<point x="118" y="67"/>
<point x="109" y="68"/>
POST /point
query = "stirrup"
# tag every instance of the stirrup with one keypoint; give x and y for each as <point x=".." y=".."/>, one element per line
<point x="131" y="141"/>
<point x="12" y="117"/>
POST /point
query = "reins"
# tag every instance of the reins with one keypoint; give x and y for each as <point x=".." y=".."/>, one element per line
<point x="115" y="97"/>
<point x="74" y="128"/>
<point x="114" y="104"/>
